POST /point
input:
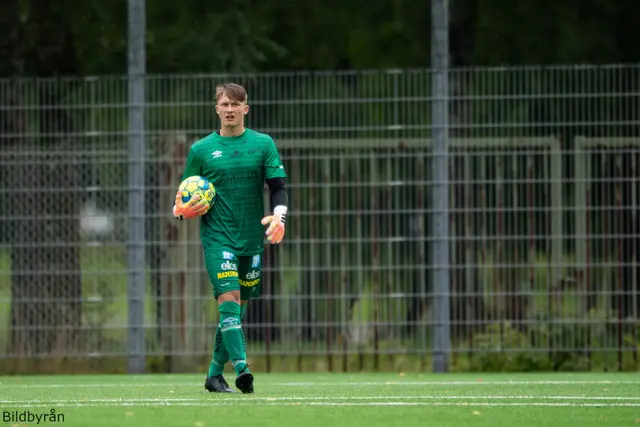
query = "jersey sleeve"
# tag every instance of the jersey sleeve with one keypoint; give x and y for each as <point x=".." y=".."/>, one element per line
<point x="273" y="167"/>
<point x="193" y="165"/>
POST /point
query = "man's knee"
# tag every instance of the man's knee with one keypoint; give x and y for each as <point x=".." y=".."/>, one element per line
<point x="230" y="296"/>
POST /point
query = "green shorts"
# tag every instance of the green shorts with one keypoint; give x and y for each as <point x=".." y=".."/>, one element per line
<point x="228" y="272"/>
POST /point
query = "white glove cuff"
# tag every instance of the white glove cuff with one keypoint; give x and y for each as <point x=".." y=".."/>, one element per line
<point x="280" y="211"/>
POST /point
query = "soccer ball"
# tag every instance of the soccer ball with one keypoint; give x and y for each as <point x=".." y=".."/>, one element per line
<point x="198" y="185"/>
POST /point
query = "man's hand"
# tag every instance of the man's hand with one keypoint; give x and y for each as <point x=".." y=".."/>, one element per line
<point x="275" y="232"/>
<point x="191" y="209"/>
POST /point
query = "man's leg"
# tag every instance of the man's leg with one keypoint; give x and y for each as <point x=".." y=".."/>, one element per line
<point x="249" y="275"/>
<point x="222" y="268"/>
<point x="233" y="337"/>
<point x="220" y="355"/>
<point x="243" y="308"/>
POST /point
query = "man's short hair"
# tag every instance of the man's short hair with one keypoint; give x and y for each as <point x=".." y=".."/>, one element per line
<point x="234" y="91"/>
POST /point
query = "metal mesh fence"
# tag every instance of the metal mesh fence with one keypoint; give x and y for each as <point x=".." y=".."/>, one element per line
<point x="543" y="218"/>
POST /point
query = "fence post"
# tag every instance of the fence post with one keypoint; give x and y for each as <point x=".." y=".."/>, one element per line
<point x="136" y="246"/>
<point x="440" y="166"/>
<point x="557" y="229"/>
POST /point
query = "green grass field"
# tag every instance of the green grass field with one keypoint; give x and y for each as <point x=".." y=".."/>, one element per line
<point x="309" y="400"/>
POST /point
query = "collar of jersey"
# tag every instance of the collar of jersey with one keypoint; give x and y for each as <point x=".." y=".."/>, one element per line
<point x="231" y="137"/>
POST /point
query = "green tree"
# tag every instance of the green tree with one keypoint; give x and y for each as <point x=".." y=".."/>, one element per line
<point x="549" y="32"/>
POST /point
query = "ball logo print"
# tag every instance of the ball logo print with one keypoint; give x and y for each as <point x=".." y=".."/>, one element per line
<point x="228" y="266"/>
<point x="253" y="275"/>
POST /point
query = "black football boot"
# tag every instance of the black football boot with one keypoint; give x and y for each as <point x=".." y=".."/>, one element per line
<point x="217" y="384"/>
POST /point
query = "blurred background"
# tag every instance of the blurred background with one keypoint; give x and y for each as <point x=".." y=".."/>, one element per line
<point x="463" y="181"/>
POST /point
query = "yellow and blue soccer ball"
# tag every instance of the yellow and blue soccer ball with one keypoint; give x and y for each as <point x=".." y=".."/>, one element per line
<point x="198" y="185"/>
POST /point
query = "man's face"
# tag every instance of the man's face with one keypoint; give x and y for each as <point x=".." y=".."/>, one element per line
<point x="231" y="112"/>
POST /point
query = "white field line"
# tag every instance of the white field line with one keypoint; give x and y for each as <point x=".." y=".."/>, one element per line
<point x="227" y="398"/>
<point x="328" y="384"/>
<point x="455" y="383"/>
<point x="361" y="403"/>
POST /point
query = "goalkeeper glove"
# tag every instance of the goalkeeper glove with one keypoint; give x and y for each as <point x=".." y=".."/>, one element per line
<point x="191" y="209"/>
<point x="275" y="232"/>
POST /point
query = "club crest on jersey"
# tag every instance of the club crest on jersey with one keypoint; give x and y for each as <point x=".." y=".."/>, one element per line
<point x="255" y="261"/>
<point x="228" y="255"/>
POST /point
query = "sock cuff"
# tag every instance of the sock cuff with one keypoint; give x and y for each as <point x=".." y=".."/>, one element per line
<point x="230" y="308"/>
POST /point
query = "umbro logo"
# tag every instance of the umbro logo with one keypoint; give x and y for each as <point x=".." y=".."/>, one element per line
<point x="216" y="154"/>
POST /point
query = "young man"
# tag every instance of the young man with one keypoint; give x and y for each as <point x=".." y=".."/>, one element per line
<point x="238" y="161"/>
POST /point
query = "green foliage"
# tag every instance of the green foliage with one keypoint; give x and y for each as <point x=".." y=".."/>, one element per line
<point x="196" y="36"/>
<point x="551" y="347"/>
<point x="556" y="333"/>
<point x="549" y="32"/>
<point x="501" y="348"/>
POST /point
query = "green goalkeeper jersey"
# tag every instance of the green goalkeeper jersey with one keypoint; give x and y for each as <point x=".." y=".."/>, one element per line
<point x="238" y="167"/>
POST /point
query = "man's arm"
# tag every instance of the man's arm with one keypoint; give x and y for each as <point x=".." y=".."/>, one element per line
<point x="192" y="208"/>
<point x="275" y="176"/>
<point x="277" y="192"/>
<point x="193" y="165"/>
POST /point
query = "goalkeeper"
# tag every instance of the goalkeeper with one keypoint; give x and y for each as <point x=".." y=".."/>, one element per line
<point x="238" y="161"/>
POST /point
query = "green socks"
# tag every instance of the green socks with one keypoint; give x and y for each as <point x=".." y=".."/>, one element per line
<point x="229" y="333"/>
<point x="220" y="355"/>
